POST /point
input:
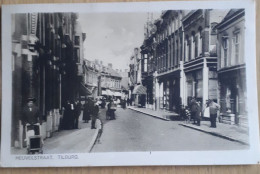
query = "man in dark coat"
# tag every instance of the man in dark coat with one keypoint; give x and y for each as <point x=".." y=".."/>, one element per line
<point x="193" y="104"/>
<point x="94" y="115"/>
<point x="86" y="111"/>
<point x="77" y="114"/>
<point x="198" y="113"/>
<point x="67" y="115"/>
<point x="31" y="115"/>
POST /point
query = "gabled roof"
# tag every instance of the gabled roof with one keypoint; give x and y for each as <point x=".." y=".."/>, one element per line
<point x="233" y="13"/>
<point x="111" y="72"/>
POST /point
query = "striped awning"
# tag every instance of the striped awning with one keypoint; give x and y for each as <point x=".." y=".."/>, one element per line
<point x="139" y="89"/>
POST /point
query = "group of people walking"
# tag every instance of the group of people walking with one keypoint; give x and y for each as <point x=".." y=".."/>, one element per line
<point x="90" y="112"/>
<point x="197" y="111"/>
<point x="72" y="111"/>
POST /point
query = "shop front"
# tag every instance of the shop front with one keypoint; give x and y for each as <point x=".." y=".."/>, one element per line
<point x="233" y="95"/>
<point x="169" y="92"/>
<point x="201" y="81"/>
<point x="139" y="95"/>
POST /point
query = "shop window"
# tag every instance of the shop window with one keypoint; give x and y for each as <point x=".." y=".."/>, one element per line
<point x="213" y="89"/>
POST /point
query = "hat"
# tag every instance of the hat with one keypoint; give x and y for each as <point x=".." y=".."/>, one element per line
<point x="31" y="99"/>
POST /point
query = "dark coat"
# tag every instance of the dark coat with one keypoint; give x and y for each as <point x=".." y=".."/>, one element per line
<point x="86" y="111"/>
<point x="95" y="111"/>
<point x="31" y="115"/>
<point x="78" y="110"/>
<point x="198" y="111"/>
<point x="67" y="117"/>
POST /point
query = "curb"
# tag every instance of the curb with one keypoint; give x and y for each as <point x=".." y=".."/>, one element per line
<point x="96" y="135"/>
<point x="150" y="114"/>
<point x="215" y="134"/>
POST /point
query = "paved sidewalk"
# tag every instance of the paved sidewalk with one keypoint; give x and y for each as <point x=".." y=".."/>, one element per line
<point x="165" y="115"/>
<point x="227" y="131"/>
<point x="69" y="141"/>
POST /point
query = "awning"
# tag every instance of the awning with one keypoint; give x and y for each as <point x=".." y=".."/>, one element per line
<point x="84" y="90"/>
<point x="104" y="92"/>
<point x="107" y="92"/>
<point x="117" y="94"/>
<point x="139" y="89"/>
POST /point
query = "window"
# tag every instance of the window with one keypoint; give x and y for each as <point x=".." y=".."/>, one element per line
<point x="77" y="54"/>
<point x="13" y="62"/>
<point x="145" y="65"/>
<point x="193" y="46"/>
<point x="225" y="52"/>
<point x="189" y="49"/>
<point x="200" y="42"/>
<point x="177" y="52"/>
<point x="196" y="47"/>
<point x="237" y="42"/>
<point x="173" y="26"/>
<point x="77" y="41"/>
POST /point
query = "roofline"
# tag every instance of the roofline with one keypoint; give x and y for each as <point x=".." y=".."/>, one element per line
<point x="221" y="24"/>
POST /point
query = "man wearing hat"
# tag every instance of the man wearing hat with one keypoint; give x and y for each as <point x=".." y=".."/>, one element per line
<point x="213" y="109"/>
<point x="31" y="115"/>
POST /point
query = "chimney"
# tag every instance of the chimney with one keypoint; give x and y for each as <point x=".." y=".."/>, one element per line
<point x="101" y="62"/>
<point x="96" y="61"/>
<point x="110" y="65"/>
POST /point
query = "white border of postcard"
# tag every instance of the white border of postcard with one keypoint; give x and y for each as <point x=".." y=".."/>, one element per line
<point x="231" y="157"/>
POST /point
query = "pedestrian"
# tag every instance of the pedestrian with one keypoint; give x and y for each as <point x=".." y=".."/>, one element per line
<point x="73" y="115"/>
<point x="94" y="115"/>
<point x="77" y="114"/>
<point x="123" y="104"/>
<point x="31" y="116"/>
<point x="86" y="111"/>
<point x="66" y="115"/>
<point x="193" y="105"/>
<point x="213" y="109"/>
<point x="111" y="110"/>
<point x="198" y="113"/>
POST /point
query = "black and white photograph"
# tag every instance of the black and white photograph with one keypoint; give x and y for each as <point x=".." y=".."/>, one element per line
<point x="107" y="83"/>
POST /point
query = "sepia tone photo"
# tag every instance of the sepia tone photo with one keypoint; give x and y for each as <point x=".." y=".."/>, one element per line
<point x="145" y="80"/>
<point x="122" y="82"/>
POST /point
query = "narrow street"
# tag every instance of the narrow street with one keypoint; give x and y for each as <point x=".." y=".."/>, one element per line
<point x="133" y="131"/>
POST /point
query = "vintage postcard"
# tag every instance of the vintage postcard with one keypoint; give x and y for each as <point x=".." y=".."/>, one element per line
<point x="129" y="84"/>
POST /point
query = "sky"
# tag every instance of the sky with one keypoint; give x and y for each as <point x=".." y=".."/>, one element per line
<point x="112" y="37"/>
